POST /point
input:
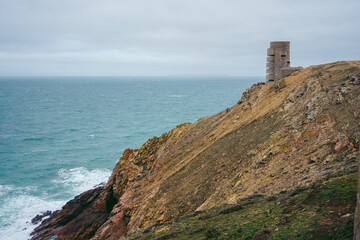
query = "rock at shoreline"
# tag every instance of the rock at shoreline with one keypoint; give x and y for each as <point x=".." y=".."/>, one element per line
<point x="38" y="218"/>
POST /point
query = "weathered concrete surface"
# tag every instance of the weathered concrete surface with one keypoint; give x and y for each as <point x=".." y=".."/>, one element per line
<point x="278" y="61"/>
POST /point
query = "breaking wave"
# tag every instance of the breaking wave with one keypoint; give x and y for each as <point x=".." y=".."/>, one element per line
<point x="19" y="205"/>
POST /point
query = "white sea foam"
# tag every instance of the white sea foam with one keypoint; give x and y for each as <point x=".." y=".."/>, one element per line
<point x="81" y="179"/>
<point x="178" y="96"/>
<point x="5" y="189"/>
<point x="17" y="211"/>
<point x="19" y="205"/>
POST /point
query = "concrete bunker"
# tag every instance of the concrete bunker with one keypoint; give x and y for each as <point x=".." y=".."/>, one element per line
<point x="278" y="61"/>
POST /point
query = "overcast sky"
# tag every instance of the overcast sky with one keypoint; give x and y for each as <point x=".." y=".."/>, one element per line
<point x="160" y="37"/>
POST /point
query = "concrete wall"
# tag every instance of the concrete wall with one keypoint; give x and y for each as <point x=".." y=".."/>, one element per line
<point x="278" y="61"/>
<point x="286" y="71"/>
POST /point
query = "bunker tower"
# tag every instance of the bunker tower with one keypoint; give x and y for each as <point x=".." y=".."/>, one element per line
<point x="278" y="61"/>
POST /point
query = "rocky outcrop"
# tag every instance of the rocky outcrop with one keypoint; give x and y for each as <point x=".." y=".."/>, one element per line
<point x="281" y="136"/>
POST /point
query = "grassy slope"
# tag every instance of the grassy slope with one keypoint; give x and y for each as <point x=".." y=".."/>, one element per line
<point x="324" y="211"/>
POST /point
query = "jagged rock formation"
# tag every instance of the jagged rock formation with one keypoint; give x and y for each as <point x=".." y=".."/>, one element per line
<point x="281" y="136"/>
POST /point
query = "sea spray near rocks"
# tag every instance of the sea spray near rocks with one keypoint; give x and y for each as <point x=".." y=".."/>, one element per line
<point x="81" y="179"/>
<point x="21" y="205"/>
<point x="17" y="210"/>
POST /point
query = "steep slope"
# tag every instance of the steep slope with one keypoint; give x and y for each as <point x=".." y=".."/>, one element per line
<point x="322" y="211"/>
<point x="281" y="136"/>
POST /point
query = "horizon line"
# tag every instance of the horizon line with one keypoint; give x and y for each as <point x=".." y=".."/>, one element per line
<point x="129" y="76"/>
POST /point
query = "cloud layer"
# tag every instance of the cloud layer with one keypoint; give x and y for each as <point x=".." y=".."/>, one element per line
<point x="159" y="37"/>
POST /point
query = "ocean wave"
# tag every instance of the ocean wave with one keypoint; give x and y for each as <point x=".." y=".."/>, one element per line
<point x="40" y="151"/>
<point x="18" y="205"/>
<point x="177" y="96"/>
<point x="5" y="189"/>
<point x="81" y="179"/>
<point x="18" y="208"/>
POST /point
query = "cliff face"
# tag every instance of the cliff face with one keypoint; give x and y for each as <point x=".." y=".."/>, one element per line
<point x="281" y="136"/>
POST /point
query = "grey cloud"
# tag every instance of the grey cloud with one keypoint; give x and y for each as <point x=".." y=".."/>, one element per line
<point x="151" y="37"/>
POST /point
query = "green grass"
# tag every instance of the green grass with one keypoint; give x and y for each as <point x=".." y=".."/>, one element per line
<point x="320" y="212"/>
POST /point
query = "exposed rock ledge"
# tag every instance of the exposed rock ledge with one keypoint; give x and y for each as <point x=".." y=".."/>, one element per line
<point x="280" y="136"/>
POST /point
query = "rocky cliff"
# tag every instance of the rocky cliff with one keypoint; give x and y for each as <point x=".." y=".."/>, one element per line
<point x="287" y="136"/>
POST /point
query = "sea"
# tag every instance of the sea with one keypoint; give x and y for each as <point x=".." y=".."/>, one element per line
<point x="60" y="136"/>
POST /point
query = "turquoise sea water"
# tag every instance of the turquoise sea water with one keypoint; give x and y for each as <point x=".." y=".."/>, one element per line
<point x="61" y="136"/>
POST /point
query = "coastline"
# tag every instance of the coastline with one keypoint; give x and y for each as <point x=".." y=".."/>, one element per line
<point x="200" y="166"/>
